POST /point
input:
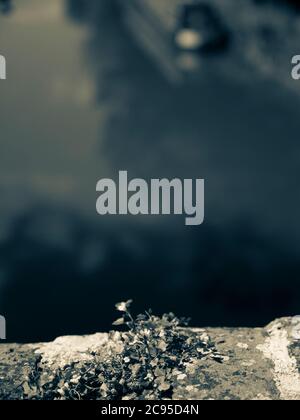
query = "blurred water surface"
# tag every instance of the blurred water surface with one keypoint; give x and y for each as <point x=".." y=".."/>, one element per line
<point x="82" y="101"/>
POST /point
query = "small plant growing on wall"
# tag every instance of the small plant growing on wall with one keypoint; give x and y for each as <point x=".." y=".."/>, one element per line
<point x="144" y="362"/>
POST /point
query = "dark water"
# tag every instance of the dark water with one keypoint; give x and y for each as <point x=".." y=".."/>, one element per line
<point x="83" y="101"/>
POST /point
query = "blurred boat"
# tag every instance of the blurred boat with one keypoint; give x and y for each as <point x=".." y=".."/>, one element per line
<point x="200" y="29"/>
<point x="176" y="33"/>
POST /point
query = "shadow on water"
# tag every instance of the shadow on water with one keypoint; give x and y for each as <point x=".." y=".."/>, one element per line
<point x="62" y="269"/>
<point x="68" y="281"/>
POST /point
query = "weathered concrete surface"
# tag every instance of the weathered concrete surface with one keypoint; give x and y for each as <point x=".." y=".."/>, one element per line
<point x="256" y="364"/>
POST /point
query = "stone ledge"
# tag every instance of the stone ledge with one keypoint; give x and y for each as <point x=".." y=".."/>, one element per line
<point x="256" y="364"/>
